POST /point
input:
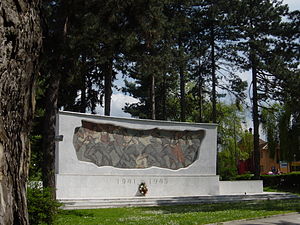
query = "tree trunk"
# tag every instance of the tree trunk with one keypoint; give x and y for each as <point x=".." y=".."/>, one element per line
<point x="213" y="73"/>
<point x="152" y="97"/>
<point x="255" y="117"/>
<point x="182" y="83"/>
<point x="48" y="168"/>
<point x="164" y="97"/>
<point x="107" y="86"/>
<point x="182" y="95"/>
<point x="20" y="36"/>
<point x="200" y="103"/>
<point x="51" y="99"/>
<point x="83" y="101"/>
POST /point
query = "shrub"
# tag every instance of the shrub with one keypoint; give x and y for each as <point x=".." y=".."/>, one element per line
<point x="41" y="207"/>
<point x="226" y="166"/>
<point x="271" y="180"/>
<point x="246" y="176"/>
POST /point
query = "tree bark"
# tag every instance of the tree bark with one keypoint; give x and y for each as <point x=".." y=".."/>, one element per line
<point x="83" y="100"/>
<point x="182" y="84"/>
<point x="107" y="86"/>
<point x="152" y="97"/>
<point x="200" y="102"/>
<point x="255" y="116"/>
<point x="164" y="97"/>
<point x="20" y="42"/>
<point x="214" y="79"/>
<point x="182" y="94"/>
<point x="48" y="168"/>
<point x="51" y="99"/>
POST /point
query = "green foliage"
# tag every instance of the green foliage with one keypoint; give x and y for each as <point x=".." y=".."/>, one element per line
<point x="159" y="38"/>
<point x="280" y="126"/>
<point x="270" y="128"/>
<point x="35" y="158"/>
<point x="246" y="145"/>
<point x="230" y="120"/>
<point x="166" y="39"/>
<point x="233" y="143"/>
<point x="227" y="165"/>
<point x="246" y="176"/>
<point x="42" y="208"/>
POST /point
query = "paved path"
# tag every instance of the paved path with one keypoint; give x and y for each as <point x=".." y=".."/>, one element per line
<point x="286" y="219"/>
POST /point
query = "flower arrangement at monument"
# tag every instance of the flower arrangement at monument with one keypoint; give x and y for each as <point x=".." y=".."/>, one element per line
<point x="143" y="189"/>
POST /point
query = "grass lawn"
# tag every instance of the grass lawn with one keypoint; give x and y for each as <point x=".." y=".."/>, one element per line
<point x="184" y="214"/>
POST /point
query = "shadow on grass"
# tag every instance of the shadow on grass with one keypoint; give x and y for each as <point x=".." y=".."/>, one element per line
<point x="289" y="190"/>
<point x="291" y="220"/>
<point x="76" y="213"/>
<point x="293" y="190"/>
<point x="282" y="222"/>
<point x="266" y="205"/>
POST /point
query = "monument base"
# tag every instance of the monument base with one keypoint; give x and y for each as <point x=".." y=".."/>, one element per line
<point x="241" y="187"/>
<point x="111" y="186"/>
<point x="161" y="201"/>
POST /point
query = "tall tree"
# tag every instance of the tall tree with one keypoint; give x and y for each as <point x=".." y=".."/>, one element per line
<point x="199" y="65"/>
<point x="20" y="36"/>
<point x="150" y="55"/>
<point x="189" y="31"/>
<point x="258" y="26"/>
<point x="212" y="36"/>
<point x="55" y="33"/>
<point x="180" y="22"/>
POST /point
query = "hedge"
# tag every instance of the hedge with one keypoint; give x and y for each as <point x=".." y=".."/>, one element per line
<point x="246" y="176"/>
<point x="282" y="181"/>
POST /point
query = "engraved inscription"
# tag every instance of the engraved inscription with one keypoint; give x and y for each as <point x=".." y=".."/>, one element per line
<point x="152" y="181"/>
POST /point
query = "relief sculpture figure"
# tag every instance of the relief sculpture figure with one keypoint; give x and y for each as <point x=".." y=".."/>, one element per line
<point x="121" y="147"/>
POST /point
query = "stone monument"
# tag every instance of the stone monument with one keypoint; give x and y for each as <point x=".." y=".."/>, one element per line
<point x="108" y="157"/>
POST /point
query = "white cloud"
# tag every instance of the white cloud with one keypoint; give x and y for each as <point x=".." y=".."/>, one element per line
<point x="293" y="4"/>
<point x="118" y="101"/>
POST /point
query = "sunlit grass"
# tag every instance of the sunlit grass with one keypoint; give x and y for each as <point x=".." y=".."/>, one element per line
<point x="185" y="214"/>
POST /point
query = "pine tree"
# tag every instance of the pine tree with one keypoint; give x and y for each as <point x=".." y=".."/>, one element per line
<point x="258" y="23"/>
<point x="149" y="56"/>
<point x="213" y="35"/>
<point x="55" y="59"/>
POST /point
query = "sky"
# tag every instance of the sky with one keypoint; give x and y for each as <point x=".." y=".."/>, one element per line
<point x="293" y="4"/>
<point x="119" y="99"/>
